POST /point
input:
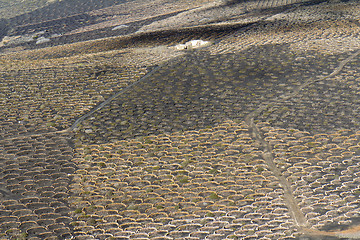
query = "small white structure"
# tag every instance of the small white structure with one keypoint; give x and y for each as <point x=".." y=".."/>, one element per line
<point x="42" y="40"/>
<point x="193" y="44"/>
<point x="19" y="39"/>
<point x="55" y="35"/>
<point x="120" y="27"/>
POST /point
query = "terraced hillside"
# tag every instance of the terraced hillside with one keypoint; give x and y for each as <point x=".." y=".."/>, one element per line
<point x="60" y="22"/>
<point x="255" y="136"/>
<point x="12" y="8"/>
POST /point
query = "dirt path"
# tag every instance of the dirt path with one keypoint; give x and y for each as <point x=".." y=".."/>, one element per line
<point x="289" y="198"/>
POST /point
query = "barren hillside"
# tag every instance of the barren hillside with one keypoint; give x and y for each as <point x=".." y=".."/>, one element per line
<point x="179" y="119"/>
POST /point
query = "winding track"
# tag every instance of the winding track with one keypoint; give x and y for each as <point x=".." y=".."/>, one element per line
<point x="290" y="200"/>
<point x="107" y="101"/>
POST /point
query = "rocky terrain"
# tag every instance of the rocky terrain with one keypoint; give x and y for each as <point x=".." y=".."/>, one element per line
<point x="114" y="126"/>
